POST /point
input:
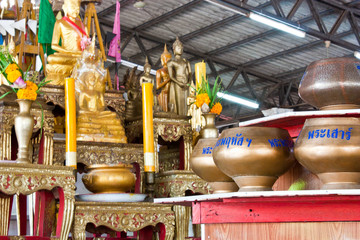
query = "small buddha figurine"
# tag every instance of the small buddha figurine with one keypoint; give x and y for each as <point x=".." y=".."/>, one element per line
<point x="163" y="81"/>
<point x="146" y="77"/>
<point x="132" y="85"/>
<point x="74" y="38"/>
<point x="180" y="75"/>
<point x="94" y="122"/>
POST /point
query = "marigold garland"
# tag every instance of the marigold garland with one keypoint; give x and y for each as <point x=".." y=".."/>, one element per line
<point x="201" y="99"/>
<point x="26" y="94"/>
<point x="31" y="86"/>
<point x="13" y="75"/>
<point x="217" y="108"/>
<point x="11" y="67"/>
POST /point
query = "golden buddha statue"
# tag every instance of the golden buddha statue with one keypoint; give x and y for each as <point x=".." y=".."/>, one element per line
<point x="133" y="105"/>
<point x="180" y="75"/>
<point x="146" y="77"/>
<point x="74" y="38"/>
<point x="163" y="81"/>
<point x="94" y="122"/>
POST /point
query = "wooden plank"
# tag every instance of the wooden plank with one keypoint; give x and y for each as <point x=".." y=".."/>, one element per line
<point x="196" y="212"/>
<point x="283" y="231"/>
<point x="282" y="209"/>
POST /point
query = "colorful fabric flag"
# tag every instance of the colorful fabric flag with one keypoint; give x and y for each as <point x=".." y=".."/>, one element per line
<point x="46" y="26"/>
<point x="114" y="49"/>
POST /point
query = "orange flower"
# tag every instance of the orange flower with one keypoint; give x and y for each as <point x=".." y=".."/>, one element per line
<point x="201" y="99"/>
<point x="13" y="75"/>
<point x="11" y="67"/>
<point x="217" y="108"/>
<point x="31" y="86"/>
<point x="27" y="94"/>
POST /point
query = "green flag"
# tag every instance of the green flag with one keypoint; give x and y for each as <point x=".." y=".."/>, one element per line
<point x="46" y="26"/>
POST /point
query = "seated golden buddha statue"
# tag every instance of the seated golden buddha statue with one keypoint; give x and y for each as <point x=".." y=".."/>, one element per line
<point x="73" y="36"/>
<point x="94" y="122"/>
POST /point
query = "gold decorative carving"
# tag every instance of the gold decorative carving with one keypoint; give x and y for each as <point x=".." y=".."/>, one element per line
<point x="170" y="127"/>
<point x="9" y="109"/>
<point x="175" y="183"/>
<point x="122" y="217"/>
<point x="20" y="178"/>
<point x="169" y="160"/>
<point x="113" y="99"/>
<point x="90" y="153"/>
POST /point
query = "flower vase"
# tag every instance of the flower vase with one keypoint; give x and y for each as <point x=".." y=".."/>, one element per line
<point x="209" y="131"/>
<point x="24" y="125"/>
<point x="202" y="162"/>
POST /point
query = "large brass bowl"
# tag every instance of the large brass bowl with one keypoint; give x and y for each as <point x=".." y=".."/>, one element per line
<point x="330" y="148"/>
<point x="332" y="83"/>
<point x="254" y="156"/>
<point x="203" y="165"/>
<point x="109" y="178"/>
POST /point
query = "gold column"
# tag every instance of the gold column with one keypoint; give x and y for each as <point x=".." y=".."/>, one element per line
<point x="187" y="152"/>
<point x="4" y="212"/>
<point x="6" y="144"/>
<point x="182" y="220"/>
<point x="48" y="148"/>
<point x="5" y="202"/>
<point x="156" y="154"/>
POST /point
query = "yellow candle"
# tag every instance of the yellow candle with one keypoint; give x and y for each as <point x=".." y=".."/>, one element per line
<point x="200" y="73"/>
<point x="148" y="129"/>
<point x="70" y="118"/>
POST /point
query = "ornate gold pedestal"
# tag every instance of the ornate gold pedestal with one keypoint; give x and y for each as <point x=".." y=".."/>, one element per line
<point x="91" y="153"/>
<point x="170" y="127"/>
<point x="175" y="184"/>
<point x="8" y="110"/>
<point x="113" y="99"/>
<point x="17" y="178"/>
<point x="122" y="217"/>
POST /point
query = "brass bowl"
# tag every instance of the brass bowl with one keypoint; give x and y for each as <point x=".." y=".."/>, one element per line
<point x="203" y="165"/>
<point x="330" y="148"/>
<point x="254" y="156"/>
<point x="109" y="178"/>
<point x="332" y="83"/>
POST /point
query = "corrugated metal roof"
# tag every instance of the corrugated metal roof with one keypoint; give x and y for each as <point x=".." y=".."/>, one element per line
<point x="260" y="56"/>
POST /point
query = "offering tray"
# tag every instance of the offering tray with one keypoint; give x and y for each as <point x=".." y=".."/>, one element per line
<point x="111" y="197"/>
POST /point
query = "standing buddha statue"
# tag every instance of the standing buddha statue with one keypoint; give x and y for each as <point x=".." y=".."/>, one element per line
<point x="70" y="31"/>
<point x="180" y="75"/>
<point x="163" y="81"/>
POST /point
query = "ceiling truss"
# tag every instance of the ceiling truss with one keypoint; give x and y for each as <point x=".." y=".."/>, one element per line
<point x="278" y="88"/>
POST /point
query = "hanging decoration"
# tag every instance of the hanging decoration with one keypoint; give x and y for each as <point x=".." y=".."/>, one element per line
<point x="114" y="49"/>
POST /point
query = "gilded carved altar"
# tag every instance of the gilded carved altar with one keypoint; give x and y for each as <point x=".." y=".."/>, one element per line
<point x="8" y="110"/>
<point x="122" y="217"/>
<point x="113" y="99"/>
<point x="170" y="127"/>
<point x="18" y="178"/>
